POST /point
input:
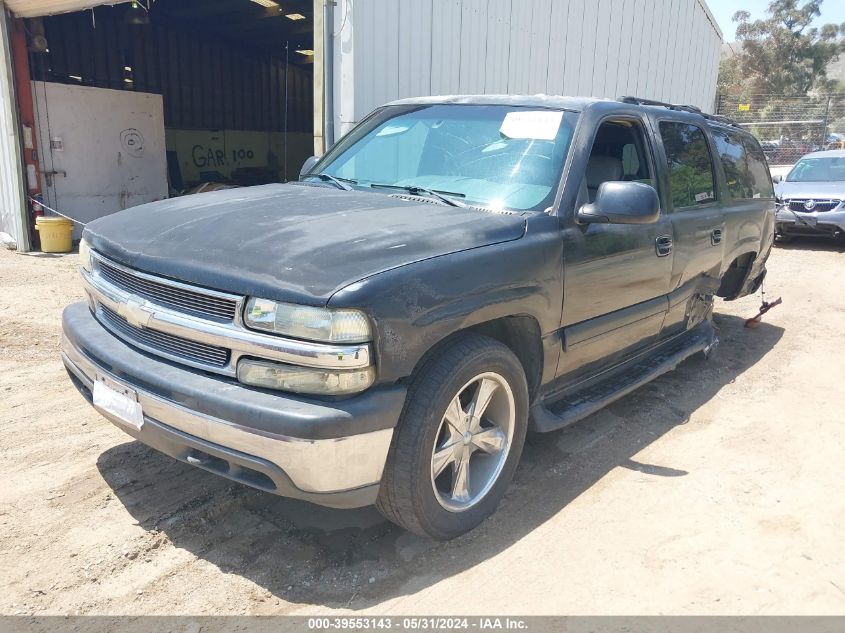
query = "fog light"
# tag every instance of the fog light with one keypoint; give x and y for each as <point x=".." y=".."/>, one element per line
<point x="306" y="380"/>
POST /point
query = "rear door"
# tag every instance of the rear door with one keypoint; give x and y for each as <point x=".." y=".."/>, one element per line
<point x="749" y="199"/>
<point x="695" y="210"/>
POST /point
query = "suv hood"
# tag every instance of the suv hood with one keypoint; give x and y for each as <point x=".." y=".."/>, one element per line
<point x="825" y="190"/>
<point x="292" y="242"/>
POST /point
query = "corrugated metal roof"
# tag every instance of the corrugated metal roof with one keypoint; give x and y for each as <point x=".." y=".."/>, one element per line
<point x="35" y="8"/>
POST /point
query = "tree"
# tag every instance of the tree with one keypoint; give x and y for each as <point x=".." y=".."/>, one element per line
<point x="782" y="53"/>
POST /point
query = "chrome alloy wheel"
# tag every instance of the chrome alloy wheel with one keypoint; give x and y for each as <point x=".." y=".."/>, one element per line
<point x="472" y="442"/>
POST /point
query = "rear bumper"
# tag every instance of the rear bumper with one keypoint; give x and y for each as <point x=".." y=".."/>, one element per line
<point x="330" y="453"/>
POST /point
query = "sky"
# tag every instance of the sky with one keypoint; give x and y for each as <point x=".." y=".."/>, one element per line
<point x="723" y="10"/>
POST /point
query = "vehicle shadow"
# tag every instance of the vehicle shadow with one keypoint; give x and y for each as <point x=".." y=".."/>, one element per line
<point x="355" y="559"/>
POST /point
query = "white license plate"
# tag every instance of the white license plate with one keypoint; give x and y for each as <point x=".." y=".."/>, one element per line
<point x="121" y="402"/>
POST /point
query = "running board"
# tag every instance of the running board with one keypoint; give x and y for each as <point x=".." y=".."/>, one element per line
<point x="558" y="411"/>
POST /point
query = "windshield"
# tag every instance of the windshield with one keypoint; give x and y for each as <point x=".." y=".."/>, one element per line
<point x="500" y="157"/>
<point x="823" y="169"/>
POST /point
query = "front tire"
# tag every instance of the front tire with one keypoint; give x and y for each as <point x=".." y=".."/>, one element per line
<point x="459" y="439"/>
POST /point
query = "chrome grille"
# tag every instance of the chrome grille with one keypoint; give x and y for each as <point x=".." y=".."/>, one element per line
<point x="170" y="294"/>
<point x="821" y="205"/>
<point x="161" y="342"/>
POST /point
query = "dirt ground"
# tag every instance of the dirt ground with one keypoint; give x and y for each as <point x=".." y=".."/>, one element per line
<point x="717" y="489"/>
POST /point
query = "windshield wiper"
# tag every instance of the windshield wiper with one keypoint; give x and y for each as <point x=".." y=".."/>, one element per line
<point x="340" y="183"/>
<point x="432" y="193"/>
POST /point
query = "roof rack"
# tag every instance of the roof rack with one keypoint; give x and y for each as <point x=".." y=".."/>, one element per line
<point x="718" y="118"/>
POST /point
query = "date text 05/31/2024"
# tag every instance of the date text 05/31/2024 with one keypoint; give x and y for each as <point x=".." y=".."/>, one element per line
<point x="417" y="623"/>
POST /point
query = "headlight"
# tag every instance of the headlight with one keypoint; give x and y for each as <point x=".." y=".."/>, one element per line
<point x="304" y="380"/>
<point x="85" y="255"/>
<point x="314" y="324"/>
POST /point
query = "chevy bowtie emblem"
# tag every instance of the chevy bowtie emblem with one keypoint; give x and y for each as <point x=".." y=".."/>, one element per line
<point x="134" y="312"/>
<point x="810" y="205"/>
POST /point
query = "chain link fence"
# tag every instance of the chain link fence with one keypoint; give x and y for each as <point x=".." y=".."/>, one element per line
<point x="789" y="126"/>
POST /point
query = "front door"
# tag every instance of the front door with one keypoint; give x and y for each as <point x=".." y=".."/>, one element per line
<point x="616" y="277"/>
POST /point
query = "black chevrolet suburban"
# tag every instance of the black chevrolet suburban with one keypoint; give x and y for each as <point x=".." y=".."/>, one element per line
<point x="453" y="273"/>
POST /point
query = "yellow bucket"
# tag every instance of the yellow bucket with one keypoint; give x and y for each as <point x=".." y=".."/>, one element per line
<point x="55" y="234"/>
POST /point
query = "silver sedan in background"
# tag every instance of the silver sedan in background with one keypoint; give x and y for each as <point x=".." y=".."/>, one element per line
<point x="812" y="197"/>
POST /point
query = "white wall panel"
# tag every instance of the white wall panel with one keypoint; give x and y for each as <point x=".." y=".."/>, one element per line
<point x="558" y="59"/>
<point x="635" y="12"/>
<point x="653" y="35"/>
<point x="660" y="49"/>
<point x="539" y="44"/>
<point x="682" y="77"/>
<point x="473" y="40"/>
<point x="386" y="44"/>
<point x="661" y="58"/>
<point x="614" y="57"/>
<point x="603" y="40"/>
<point x="674" y="38"/>
<point x="624" y="65"/>
<point x="445" y="45"/>
<point x="590" y="16"/>
<point x="12" y="203"/>
<point x="520" y="47"/>
<point x="698" y="47"/>
<point x="497" y="46"/>
<point x="575" y="37"/>
<point x="358" y="46"/>
<point x="414" y="43"/>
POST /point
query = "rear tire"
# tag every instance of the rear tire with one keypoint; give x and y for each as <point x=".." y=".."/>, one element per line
<point x="448" y="467"/>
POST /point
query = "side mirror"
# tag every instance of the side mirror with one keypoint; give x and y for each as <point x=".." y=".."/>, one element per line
<point x="308" y="165"/>
<point x="622" y="202"/>
<point x="777" y="179"/>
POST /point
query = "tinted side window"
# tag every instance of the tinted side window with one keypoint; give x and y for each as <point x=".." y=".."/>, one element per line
<point x="691" y="179"/>
<point x="758" y="170"/>
<point x="745" y="166"/>
<point x="733" y="156"/>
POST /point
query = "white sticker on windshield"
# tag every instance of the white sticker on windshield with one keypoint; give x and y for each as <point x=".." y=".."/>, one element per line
<point x="541" y="125"/>
<point x="391" y="130"/>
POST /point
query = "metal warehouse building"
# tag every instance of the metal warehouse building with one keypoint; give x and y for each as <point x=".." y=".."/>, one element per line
<point x="108" y="105"/>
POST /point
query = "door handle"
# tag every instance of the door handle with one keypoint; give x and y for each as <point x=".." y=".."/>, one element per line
<point x="716" y="236"/>
<point x="663" y="245"/>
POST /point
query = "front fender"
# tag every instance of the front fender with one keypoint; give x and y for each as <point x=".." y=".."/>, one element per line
<point x="416" y="306"/>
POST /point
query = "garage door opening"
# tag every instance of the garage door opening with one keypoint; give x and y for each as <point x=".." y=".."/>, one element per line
<point x="135" y="104"/>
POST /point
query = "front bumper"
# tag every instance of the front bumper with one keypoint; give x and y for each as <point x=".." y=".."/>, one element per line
<point x="829" y="223"/>
<point x="330" y="453"/>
